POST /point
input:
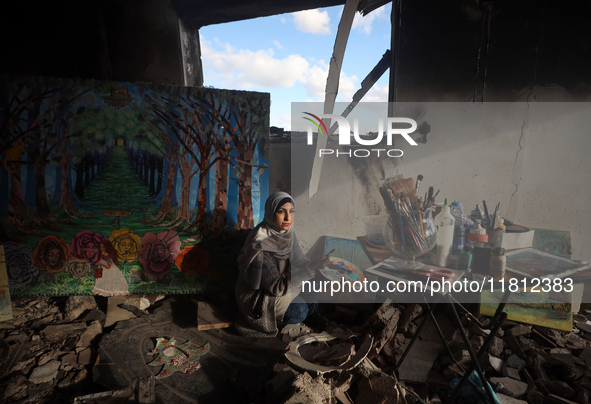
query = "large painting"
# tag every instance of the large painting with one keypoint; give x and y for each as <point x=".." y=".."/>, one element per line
<point x="113" y="188"/>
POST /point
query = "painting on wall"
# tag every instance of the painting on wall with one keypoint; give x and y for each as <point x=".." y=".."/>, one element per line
<point x="113" y="188"/>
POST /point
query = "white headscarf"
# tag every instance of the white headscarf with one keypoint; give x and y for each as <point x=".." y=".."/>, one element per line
<point x="266" y="237"/>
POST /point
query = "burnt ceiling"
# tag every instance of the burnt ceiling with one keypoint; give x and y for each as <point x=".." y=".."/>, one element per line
<point x="199" y="13"/>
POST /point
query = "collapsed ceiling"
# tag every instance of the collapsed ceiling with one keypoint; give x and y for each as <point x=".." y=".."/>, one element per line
<point x="199" y="13"/>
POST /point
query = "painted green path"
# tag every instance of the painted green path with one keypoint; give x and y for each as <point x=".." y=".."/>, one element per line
<point x="118" y="188"/>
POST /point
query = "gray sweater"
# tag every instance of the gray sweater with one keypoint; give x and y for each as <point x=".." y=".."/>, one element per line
<point x="256" y="307"/>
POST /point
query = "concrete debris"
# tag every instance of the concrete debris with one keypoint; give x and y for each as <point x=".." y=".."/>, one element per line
<point x="45" y="373"/>
<point x="511" y="387"/>
<point x="93" y="331"/>
<point x="49" y="352"/>
<point x="496" y="347"/>
<point x="382" y="326"/>
<point x="76" y="306"/>
<point x="496" y="363"/>
<point x="378" y="389"/>
<point x="514" y="361"/>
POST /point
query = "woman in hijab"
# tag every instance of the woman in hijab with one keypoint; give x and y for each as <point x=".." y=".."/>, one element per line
<point x="272" y="267"/>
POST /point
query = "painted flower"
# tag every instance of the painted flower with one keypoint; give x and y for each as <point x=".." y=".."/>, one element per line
<point x="86" y="245"/>
<point x="159" y="251"/>
<point x="19" y="263"/>
<point x="78" y="268"/>
<point x="52" y="254"/>
<point x="127" y="245"/>
<point x="192" y="260"/>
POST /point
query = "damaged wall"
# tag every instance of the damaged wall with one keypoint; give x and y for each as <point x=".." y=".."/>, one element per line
<point x="140" y="40"/>
<point x="525" y="51"/>
<point x="530" y="157"/>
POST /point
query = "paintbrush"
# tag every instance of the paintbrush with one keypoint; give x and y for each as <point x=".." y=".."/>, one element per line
<point x="418" y="183"/>
<point x="401" y="186"/>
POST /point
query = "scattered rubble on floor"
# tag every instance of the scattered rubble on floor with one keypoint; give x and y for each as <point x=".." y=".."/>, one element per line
<point x="75" y="350"/>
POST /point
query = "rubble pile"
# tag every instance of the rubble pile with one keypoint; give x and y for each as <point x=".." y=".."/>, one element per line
<point x="51" y="347"/>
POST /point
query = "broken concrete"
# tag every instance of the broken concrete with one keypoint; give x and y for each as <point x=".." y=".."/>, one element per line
<point x="45" y="373"/>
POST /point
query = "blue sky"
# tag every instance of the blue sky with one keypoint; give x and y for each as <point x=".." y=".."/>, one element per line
<point x="287" y="56"/>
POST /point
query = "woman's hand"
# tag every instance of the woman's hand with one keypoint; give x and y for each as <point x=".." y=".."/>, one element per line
<point x="320" y="262"/>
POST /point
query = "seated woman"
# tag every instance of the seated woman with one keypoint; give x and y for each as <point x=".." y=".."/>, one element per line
<point x="272" y="268"/>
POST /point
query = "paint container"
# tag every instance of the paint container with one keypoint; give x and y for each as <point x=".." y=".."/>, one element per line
<point x="481" y="259"/>
<point x="374" y="228"/>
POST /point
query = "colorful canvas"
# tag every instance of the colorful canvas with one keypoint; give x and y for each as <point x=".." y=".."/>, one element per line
<point x="532" y="263"/>
<point x="532" y="308"/>
<point x="5" y="306"/>
<point x="340" y="268"/>
<point x="114" y="188"/>
<point x="347" y="249"/>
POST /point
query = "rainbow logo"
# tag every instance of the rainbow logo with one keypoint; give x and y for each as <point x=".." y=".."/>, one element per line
<point x="316" y="124"/>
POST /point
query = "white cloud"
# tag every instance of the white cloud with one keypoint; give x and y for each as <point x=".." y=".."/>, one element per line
<point x="246" y="69"/>
<point x="277" y="44"/>
<point x="312" y="21"/>
<point x="365" y="23"/>
<point x="316" y="83"/>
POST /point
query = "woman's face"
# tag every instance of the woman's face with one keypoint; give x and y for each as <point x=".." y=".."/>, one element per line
<point x="159" y="252"/>
<point x="125" y="245"/>
<point x="283" y="218"/>
<point x="53" y="257"/>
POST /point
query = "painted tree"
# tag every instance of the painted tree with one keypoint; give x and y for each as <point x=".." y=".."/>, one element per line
<point x="26" y="120"/>
<point x="163" y="136"/>
<point x="203" y="136"/>
<point x="244" y="120"/>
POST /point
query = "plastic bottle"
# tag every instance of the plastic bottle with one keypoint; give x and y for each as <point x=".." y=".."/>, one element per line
<point x="444" y="222"/>
<point x="498" y="262"/>
<point x="497" y="236"/>
<point x="477" y="236"/>
<point x="457" y="212"/>
<point x="465" y="259"/>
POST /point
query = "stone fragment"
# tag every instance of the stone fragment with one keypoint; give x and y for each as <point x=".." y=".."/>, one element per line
<point x="585" y="355"/>
<point x="477" y="342"/>
<point x="560" y="351"/>
<point x="535" y="397"/>
<point x="94" y="315"/>
<point x="15" y="388"/>
<point x="115" y="313"/>
<point x="574" y="342"/>
<point x="520" y="329"/>
<point x="496" y="347"/>
<point x="496" y="363"/>
<point x="45" y="373"/>
<point x="382" y="325"/>
<point x="91" y="333"/>
<point x="78" y="305"/>
<point x="514" y="361"/>
<point x="411" y="312"/>
<point x="511" y="387"/>
<point x="526" y="344"/>
<point x="515" y="345"/>
<point x="46" y="357"/>
<point x="377" y="389"/>
<point x="70" y="359"/>
<point x="559" y="388"/>
<point x="85" y="356"/>
<point x="56" y="332"/>
<point x="511" y="372"/>
<point x="583" y="326"/>
<point x="561" y="367"/>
